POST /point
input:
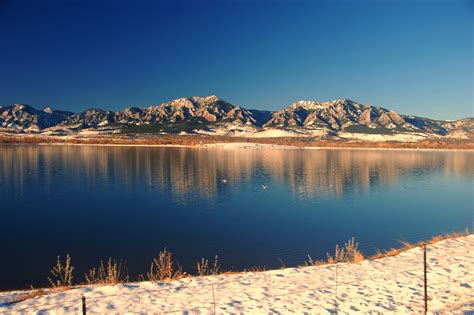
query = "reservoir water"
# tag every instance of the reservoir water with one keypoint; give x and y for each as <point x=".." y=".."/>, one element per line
<point x="251" y="207"/>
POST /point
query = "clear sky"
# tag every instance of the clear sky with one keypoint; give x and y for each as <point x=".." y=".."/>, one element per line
<point x="415" y="57"/>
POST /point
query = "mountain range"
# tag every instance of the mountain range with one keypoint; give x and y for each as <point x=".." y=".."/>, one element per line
<point x="212" y="115"/>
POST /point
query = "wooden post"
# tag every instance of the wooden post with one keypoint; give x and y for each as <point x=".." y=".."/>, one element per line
<point x="83" y="305"/>
<point x="214" y="299"/>
<point x="335" y="294"/>
<point x="426" y="281"/>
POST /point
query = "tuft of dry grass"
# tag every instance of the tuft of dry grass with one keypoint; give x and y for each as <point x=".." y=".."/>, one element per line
<point x="438" y="238"/>
<point x="35" y="292"/>
<point x="28" y="295"/>
<point x="256" y="269"/>
<point x="282" y="263"/>
<point x="406" y="245"/>
<point x="91" y="277"/>
<point x="162" y="268"/>
<point x="393" y="251"/>
<point x="62" y="273"/>
<point x="311" y="262"/>
<point x="348" y="253"/>
<point x="203" y="268"/>
<point x="115" y="272"/>
<point x="141" y="278"/>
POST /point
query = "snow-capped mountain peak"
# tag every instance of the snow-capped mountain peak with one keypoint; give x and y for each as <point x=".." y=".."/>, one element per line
<point x="211" y="112"/>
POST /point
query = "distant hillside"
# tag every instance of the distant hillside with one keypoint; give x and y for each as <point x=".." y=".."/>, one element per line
<point x="341" y="118"/>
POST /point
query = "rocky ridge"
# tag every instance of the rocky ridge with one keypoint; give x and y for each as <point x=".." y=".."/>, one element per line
<point x="213" y="115"/>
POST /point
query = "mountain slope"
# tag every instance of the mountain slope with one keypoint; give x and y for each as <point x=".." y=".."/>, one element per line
<point x="338" y="115"/>
<point x="213" y="115"/>
<point x="26" y="118"/>
<point x="346" y="116"/>
<point x="210" y="108"/>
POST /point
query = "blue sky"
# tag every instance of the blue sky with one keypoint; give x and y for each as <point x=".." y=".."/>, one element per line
<point x="410" y="56"/>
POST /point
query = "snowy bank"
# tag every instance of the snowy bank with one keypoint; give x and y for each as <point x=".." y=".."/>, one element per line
<point x="387" y="285"/>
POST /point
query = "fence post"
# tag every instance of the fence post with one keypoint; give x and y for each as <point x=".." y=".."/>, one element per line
<point x="425" y="280"/>
<point x="214" y="298"/>
<point x="83" y="305"/>
<point x="335" y="294"/>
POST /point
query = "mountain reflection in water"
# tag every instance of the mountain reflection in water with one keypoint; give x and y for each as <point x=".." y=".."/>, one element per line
<point x="185" y="172"/>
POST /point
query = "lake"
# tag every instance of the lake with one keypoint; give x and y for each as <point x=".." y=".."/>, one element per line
<point x="251" y="207"/>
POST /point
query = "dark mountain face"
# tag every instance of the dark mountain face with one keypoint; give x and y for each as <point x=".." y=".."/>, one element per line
<point x="333" y="116"/>
<point x="90" y="118"/>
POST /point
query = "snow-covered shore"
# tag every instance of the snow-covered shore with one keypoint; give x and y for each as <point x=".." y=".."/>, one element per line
<point x="386" y="285"/>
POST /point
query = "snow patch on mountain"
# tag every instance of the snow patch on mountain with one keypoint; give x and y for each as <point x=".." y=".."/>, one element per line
<point x="213" y="116"/>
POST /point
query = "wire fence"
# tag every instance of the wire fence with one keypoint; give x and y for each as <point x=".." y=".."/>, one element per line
<point x="419" y="284"/>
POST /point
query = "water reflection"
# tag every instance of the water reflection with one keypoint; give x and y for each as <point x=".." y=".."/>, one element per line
<point x="187" y="174"/>
<point x="126" y="202"/>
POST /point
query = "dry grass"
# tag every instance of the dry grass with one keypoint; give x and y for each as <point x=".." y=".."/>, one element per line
<point x="348" y="253"/>
<point x="256" y="269"/>
<point x="91" y="277"/>
<point x="26" y="296"/>
<point x="195" y="140"/>
<point x="114" y="273"/>
<point x="162" y="268"/>
<point x="351" y="253"/>
<point x="203" y="268"/>
<point x="406" y="245"/>
<point x="393" y="251"/>
<point x="311" y="262"/>
<point x="62" y="273"/>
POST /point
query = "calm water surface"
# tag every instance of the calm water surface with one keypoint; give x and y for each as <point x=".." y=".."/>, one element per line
<point x="125" y="202"/>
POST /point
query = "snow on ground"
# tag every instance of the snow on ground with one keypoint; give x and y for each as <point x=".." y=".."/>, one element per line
<point x="387" y="285"/>
<point x="246" y="132"/>
<point x="88" y="132"/>
<point x="251" y="132"/>
<point x="290" y="133"/>
<point x="273" y="133"/>
<point x="400" y="137"/>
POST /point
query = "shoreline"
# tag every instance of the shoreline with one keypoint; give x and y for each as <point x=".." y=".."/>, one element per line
<point x="258" y="146"/>
<point x="216" y="142"/>
<point x="370" y="285"/>
<point x="244" y="145"/>
<point x="404" y="246"/>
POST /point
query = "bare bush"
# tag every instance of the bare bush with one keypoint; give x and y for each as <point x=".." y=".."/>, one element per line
<point x="91" y="277"/>
<point x="62" y="273"/>
<point x="162" y="267"/>
<point x="312" y="262"/>
<point x="115" y="272"/>
<point x="203" y="268"/>
<point x="348" y="253"/>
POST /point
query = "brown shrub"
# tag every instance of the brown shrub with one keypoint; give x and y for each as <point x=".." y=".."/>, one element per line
<point x="162" y="268"/>
<point x="203" y="268"/>
<point x="348" y="253"/>
<point x="62" y="273"/>
<point x="115" y="272"/>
